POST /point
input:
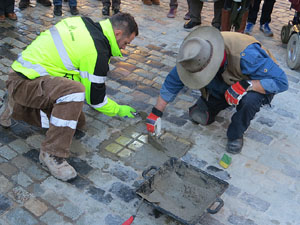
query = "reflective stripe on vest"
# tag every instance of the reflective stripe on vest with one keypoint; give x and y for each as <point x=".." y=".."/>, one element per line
<point x="75" y="97"/>
<point x="44" y="120"/>
<point x="93" y="78"/>
<point x="38" y="68"/>
<point x="100" y="104"/>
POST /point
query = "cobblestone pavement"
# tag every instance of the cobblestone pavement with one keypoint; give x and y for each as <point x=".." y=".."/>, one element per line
<point x="264" y="180"/>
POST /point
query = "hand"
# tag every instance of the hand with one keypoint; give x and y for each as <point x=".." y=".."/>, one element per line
<point x="235" y="92"/>
<point x="154" y="122"/>
<point x="126" y="111"/>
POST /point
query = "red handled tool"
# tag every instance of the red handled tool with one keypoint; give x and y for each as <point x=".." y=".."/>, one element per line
<point x="130" y="220"/>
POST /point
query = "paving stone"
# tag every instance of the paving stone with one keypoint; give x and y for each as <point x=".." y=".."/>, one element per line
<point x="37" y="190"/>
<point x="22" y="179"/>
<point x="19" y="195"/>
<point x="36" y="173"/>
<point x="5" y="184"/>
<point x="125" y="153"/>
<point x="33" y="155"/>
<point x="258" y="136"/>
<point x="122" y="140"/>
<point x="123" y="173"/>
<point x="80" y="182"/>
<point x="35" y="206"/>
<point x="53" y="199"/>
<point x="266" y="121"/>
<point x="20" y="216"/>
<point x="232" y="191"/>
<point x="81" y="166"/>
<point x="8" y="169"/>
<point x="239" y="220"/>
<point x="21" y="130"/>
<point x="125" y="65"/>
<point x="51" y="217"/>
<point x="123" y="192"/>
<point x="79" y="134"/>
<point x="113" y="148"/>
<point x="5" y="204"/>
<point x="19" y="146"/>
<point x="136" y="145"/>
<point x="176" y="120"/>
<point x="255" y="202"/>
<point x="285" y="113"/>
<point x="70" y="210"/>
<point x="148" y="90"/>
<point x="21" y="162"/>
<point x="7" y="153"/>
<point x="35" y="141"/>
<point x="113" y="220"/>
<point x="6" y="137"/>
<point x="99" y="195"/>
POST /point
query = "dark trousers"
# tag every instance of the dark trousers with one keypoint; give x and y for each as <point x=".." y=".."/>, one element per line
<point x="115" y="3"/>
<point x="265" y="12"/>
<point x="247" y="108"/>
<point x="174" y="4"/>
<point x="7" y="6"/>
<point x="196" y="8"/>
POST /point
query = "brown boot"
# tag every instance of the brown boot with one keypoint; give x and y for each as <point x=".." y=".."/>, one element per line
<point x="2" y="18"/>
<point x="12" y="16"/>
<point x="225" y="22"/>
<point x="156" y="2"/>
<point x="243" y="22"/>
<point x="147" y="2"/>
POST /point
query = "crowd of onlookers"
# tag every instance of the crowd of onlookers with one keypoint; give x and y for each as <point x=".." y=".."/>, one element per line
<point x="235" y="15"/>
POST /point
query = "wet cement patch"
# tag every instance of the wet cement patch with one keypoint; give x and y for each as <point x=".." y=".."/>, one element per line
<point x="133" y="146"/>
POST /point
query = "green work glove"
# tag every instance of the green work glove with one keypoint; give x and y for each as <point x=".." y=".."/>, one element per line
<point x="126" y="111"/>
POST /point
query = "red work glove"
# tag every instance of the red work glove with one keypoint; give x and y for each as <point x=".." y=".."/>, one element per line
<point x="154" y="121"/>
<point x="235" y="92"/>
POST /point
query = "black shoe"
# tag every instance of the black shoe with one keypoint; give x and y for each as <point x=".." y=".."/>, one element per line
<point x="105" y="11"/>
<point x="57" y="10"/>
<point x="234" y="146"/>
<point x="46" y="3"/>
<point x="116" y="10"/>
<point x="74" y="10"/>
<point x="23" y="4"/>
<point x="190" y="24"/>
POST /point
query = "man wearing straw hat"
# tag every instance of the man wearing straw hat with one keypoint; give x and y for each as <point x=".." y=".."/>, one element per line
<point x="230" y="69"/>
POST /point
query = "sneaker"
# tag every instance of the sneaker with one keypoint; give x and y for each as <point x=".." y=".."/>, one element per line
<point x="23" y="4"/>
<point x="74" y="10"/>
<point x="57" y="10"/>
<point x="190" y="24"/>
<point x="249" y="28"/>
<point x="234" y="146"/>
<point x="172" y="13"/>
<point x="266" y="29"/>
<point x="105" y="11"/>
<point x="6" y="111"/>
<point x="57" y="166"/>
<point x="46" y="3"/>
<point x="187" y="16"/>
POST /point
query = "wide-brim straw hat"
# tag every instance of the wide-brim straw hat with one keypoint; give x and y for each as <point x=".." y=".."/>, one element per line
<point x="200" y="56"/>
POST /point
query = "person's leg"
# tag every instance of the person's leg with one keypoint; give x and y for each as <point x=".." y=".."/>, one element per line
<point x="57" y="7"/>
<point x="218" y="6"/>
<point x="116" y="6"/>
<point x="106" y="6"/>
<point x="2" y="11"/>
<point x="195" y="14"/>
<point x="187" y="16"/>
<point x="173" y="9"/>
<point x="253" y="11"/>
<point x="23" y="4"/>
<point x="73" y="7"/>
<point x="226" y="13"/>
<point x="266" y="11"/>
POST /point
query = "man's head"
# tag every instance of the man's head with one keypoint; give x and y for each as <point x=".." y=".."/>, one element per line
<point x="200" y="56"/>
<point x="125" y="28"/>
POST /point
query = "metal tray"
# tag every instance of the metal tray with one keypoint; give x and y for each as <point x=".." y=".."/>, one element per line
<point x="182" y="191"/>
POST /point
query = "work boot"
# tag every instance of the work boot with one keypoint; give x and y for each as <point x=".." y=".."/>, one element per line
<point x="2" y="18"/>
<point x="266" y="29"/>
<point x="58" y="166"/>
<point x="190" y="24"/>
<point x="172" y="13"/>
<point x="12" y="16"/>
<point x="199" y="114"/>
<point x="46" y="3"/>
<point x="105" y="11"/>
<point x="156" y="2"/>
<point x="74" y="10"/>
<point x="147" y="2"/>
<point x="6" y="111"/>
<point x="234" y="146"/>
<point x="57" y="10"/>
<point x="23" y="4"/>
<point x="249" y="28"/>
<point x="243" y="22"/>
<point x="115" y="10"/>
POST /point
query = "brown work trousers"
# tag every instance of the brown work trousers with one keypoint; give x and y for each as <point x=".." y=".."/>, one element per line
<point x="33" y="98"/>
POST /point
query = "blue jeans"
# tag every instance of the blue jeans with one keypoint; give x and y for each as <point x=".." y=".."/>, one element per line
<point x="71" y="2"/>
<point x="248" y="106"/>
